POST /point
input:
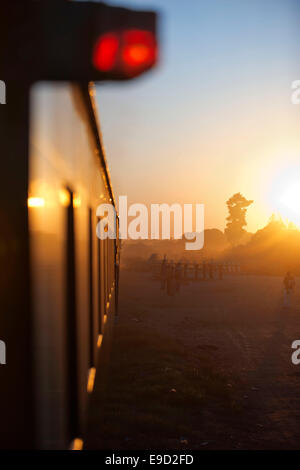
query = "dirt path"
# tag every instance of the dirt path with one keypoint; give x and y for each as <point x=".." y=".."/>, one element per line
<point x="239" y="328"/>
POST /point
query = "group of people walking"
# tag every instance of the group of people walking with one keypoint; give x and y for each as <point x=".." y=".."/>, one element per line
<point x="173" y="274"/>
<point x="288" y="289"/>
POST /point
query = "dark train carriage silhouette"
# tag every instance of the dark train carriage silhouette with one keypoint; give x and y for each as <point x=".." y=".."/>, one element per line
<point x="58" y="281"/>
<point x="59" y="278"/>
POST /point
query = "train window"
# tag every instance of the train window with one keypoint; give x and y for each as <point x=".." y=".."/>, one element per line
<point x="111" y="266"/>
<point x="71" y="326"/>
<point x="91" y="291"/>
<point x="99" y="283"/>
<point x="116" y="275"/>
<point x="106" y="274"/>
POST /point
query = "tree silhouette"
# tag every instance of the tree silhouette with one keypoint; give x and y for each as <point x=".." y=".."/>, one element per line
<point x="236" y="221"/>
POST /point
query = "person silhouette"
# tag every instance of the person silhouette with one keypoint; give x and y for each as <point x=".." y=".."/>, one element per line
<point x="170" y="278"/>
<point x="289" y="287"/>
<point x="220" y="270"/>
<point x="178" y="276"/>
<point x="163" y="272"/>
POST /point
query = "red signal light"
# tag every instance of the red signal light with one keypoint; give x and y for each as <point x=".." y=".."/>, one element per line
<point x="139" y="49"/>
<point x="105" y="53"/>
<point x="128" y="52"/>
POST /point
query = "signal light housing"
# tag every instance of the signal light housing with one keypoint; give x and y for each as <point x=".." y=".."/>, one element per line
<point x="80" y="41"/>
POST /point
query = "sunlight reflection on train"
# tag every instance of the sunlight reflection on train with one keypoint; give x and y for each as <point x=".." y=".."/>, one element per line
<point x="36" y="202"/>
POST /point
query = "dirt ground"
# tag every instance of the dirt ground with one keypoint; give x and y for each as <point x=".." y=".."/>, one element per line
<point x="209" y="368"/>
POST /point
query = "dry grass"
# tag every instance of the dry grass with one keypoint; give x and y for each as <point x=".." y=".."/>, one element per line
<point x="155" y="397"/>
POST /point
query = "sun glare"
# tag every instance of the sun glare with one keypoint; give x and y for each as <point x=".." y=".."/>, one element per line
<point x="291" y="198"/>
<point x="286" y="194"/>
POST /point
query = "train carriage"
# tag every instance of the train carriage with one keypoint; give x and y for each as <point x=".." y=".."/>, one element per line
<point x="58" y="280"/>
<point x="72" y="271"/>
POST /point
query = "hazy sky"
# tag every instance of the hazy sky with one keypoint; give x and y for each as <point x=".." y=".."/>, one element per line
<point x="215" y="117"/>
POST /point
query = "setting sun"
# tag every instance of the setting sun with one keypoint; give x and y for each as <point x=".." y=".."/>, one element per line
<point x="285" y="194"/>
<point x="291" y="199"/>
